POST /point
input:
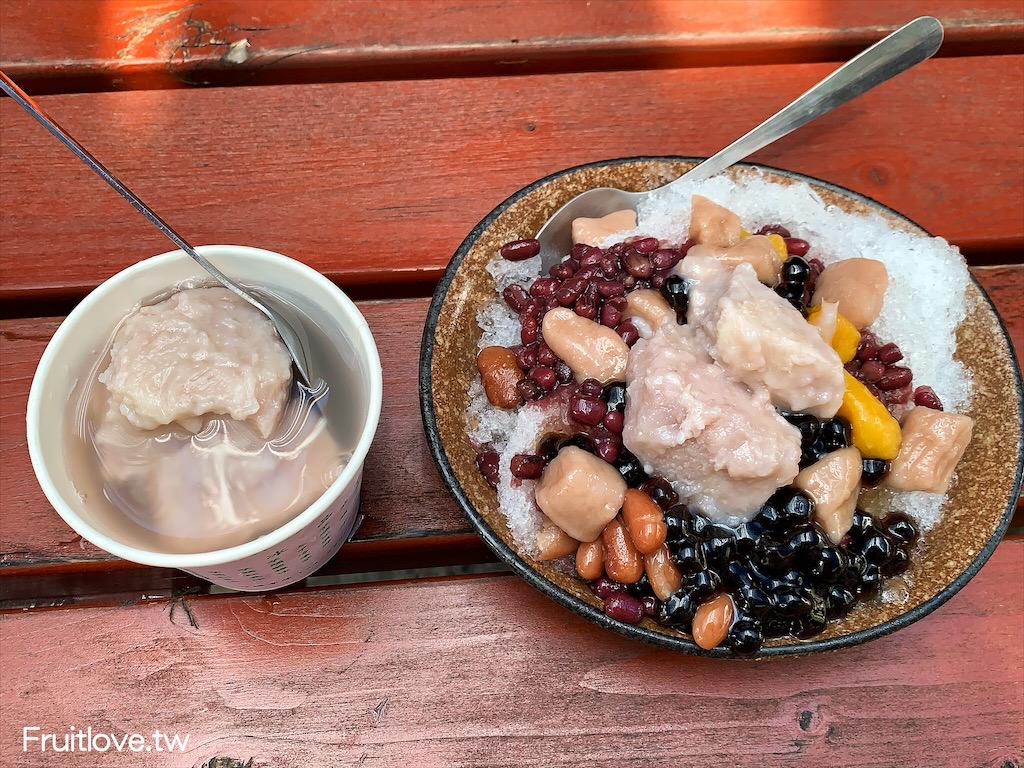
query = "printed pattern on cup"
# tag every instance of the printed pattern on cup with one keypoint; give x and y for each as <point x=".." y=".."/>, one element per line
<point x="296" y="557"/>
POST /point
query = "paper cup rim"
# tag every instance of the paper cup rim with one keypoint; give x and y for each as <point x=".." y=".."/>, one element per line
<point x="365" y="348"/>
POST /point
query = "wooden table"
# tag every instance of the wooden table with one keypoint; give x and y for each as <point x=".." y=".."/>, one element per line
<point x="366" y="139"/>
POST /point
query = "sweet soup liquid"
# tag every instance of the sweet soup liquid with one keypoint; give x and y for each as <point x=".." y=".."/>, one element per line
<point x="174" y="490"/>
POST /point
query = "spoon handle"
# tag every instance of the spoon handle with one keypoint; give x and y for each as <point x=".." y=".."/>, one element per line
<point x="909" y="45"/>
<point x="29" y="104"/>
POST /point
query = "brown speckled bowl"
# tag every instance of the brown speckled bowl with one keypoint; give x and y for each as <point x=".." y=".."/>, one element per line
<point x="980" y="505"/>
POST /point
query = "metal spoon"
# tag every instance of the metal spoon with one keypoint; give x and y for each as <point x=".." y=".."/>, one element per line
<point x="909" y="45"/>
<point x="289" y="334"/>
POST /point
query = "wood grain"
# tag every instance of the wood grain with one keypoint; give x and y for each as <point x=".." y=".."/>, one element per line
<point x="486" y="671"/>
<point x="74" y="45"/>
<point x="410" y="519"/>
<point x="376" y="184"/>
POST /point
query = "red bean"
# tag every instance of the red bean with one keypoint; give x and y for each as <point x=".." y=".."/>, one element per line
<point x="586" y="410"/>
<point x="530" y="330"/>
<point x="685" y="247"/>
<point x="868" y="347"/>
<point x="853" y="366"/>
<point x="614" y="421"/>
<point x="796" y="246"/>
<point x="562" y="271"/>
<point x="898" y="396"/>
<point x="889" y="353"/>
<point x="650" y="603"/>
<point x="551" y="303"/>
<point x="658" y="280"/>
<point x="592" y="258"/>
<point x="628" y="282"/>
<point x="605" y="587"/>
<point x="526" y="357"/>
<point x="872" y="371"/>
<point x="607" y="448"/>
<point x="563" y="372"/>
<point x="623" y="607"/>
<point x="665" y="258"/>
<point x="610" y="316"/>
<point x="609" y="288"/>
<point x="619" y="302"/>
<point x="544" y="376"/>
<point x="609" y="266"/>
<point x="895" y="377"/>
<point x="774" y="229"/>
<point x="628" y="332"/>
<point x="647" y="245"/>
<point x="590" y="388"/>
<point x="578" y="252"/>
<point x="637" y="264"/>
<point x="519" y="250"/>
<point x="533" y="308"/>
<point x="544" y="287"/>
<point x="570" y="291"/>
<point x="926" y="397"/>
<point x="529" y="389"/>
<point x="487" y="463"/>
<point x="587" y="309"/>
<point x="546" y="355"/>
<point x="516" y="297"/>
<point x="527" y="466"/>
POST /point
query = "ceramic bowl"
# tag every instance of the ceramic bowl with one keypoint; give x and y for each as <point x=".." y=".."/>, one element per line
<point x="976" y="515"/>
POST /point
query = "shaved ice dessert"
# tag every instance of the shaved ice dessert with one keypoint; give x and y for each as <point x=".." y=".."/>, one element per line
<point x="772" y="381"/>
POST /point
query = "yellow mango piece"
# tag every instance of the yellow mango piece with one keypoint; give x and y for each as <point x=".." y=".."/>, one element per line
<point x="846" y="340"/>
<point x="876" y="434"/>
<point x="846" y="337"/>
<point x="744" y="234"/>
<point x="780" y="245"/>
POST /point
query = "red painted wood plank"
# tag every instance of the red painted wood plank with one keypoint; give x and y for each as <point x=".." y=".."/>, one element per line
<point x="488" y="672"/>
<point x="377" y="183"/>
<point x="76" y="44"/>
<point x="410" y="520"/>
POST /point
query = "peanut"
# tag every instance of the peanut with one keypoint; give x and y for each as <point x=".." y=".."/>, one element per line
<point x="590" y="560"/>
<point x="858" y="285"/>
<point x="553" y="542"/>
<point x="649" y="306"/>
<point x="665" y="578"/>
<point x="712" y="621"/>
<point x="592" y="350"/>
<point x="595" y="231"/>
<point x="500" y="373"/>
<point x="644" y="521"/>
<point x="622" y="562"/>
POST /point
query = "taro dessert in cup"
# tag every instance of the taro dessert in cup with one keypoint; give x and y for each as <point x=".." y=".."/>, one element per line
<point x="165" y="426"/>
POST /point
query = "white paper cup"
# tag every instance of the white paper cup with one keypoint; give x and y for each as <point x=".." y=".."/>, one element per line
<point x="285" y="555"/>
